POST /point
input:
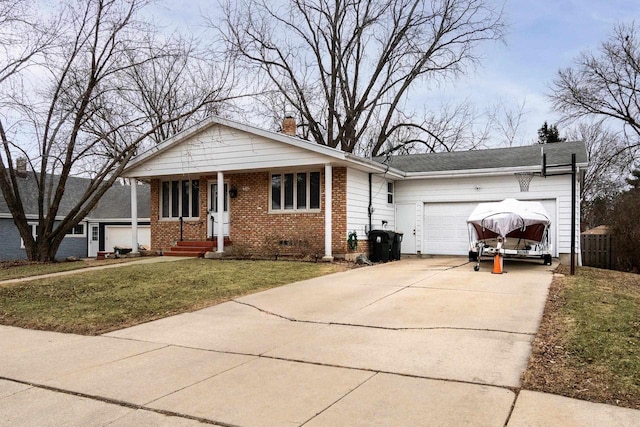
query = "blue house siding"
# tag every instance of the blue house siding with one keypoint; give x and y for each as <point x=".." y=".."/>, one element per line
<point x="73" y="246"/>
<point x="10" y="241"/>
<point x="10" y="244"/>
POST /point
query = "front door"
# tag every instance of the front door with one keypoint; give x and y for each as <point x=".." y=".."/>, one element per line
<point x="406" y="224"/>
<point x="94" y="243"/>
<point x="215" y="216"/>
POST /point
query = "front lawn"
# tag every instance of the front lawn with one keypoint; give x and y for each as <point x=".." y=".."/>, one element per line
<point x="588" y="345"/>
<point x="96" y="302"/>
<point x="19" y="269"/>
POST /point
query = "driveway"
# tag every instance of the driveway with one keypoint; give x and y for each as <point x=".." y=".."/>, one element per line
<point x="415" y="342"/>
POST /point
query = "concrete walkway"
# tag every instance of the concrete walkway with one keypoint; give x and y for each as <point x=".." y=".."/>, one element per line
<point x="415" y="342"/>
<point x="145" y="260"/>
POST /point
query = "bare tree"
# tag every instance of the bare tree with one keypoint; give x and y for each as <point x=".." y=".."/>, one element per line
<point x="605" y="84"/>
<point x="609" y="165"/>
<point x="348" y="65"/>
<point x="173" y="87"/>
<point x="23" y="36"/>
<point x="505" y="119"/>
<point x="451" y="128"/>
<point x="80" y="105"/>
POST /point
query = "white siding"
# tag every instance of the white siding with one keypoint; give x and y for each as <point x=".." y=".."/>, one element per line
<point x="221" y="148"/>
<point x="358" y="202"/>
<point x="491" y="189"/>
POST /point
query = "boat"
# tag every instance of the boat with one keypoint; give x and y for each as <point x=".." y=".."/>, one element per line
<point x="510" y="228"/>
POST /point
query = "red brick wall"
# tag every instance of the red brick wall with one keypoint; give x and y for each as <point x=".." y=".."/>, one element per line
<point x="252" y="226"/>
<point x="339" y="216"/>
<point x="164" y="233"/>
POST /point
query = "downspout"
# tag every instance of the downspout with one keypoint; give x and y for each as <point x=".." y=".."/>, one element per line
<point x="573" y="214"/>
<point x="370" y="209"/>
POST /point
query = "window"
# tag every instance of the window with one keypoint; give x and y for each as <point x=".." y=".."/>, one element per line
<point x="78" y="230"/>
<point x="295" y="191"/>
<point x="34" y="233"/>
<point x="95" y="233"/>
<point x="180" y="198"/>
<point x="389" y="192"/>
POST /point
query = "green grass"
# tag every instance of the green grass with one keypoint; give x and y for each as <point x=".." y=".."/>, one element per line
<point x="100" y="301"/>
<point x="588" y="346"/>
<point x="20" y="269"/>
<point x="605" y="332"/>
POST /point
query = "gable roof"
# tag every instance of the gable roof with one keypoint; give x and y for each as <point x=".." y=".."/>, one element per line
<point x="216" y="120"/>
<point x="336" y="156"/>
<point x="115" y="204"/>
<point x="526" y="157"/>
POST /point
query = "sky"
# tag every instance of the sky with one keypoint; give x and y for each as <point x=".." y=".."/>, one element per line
<point x="542" y="37"/>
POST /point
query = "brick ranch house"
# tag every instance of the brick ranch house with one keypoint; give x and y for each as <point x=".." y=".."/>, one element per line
<point x="288" y="195"/>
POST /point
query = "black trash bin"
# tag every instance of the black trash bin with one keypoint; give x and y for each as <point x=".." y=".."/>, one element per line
<point x="379" y="245"/>
<point x="396" y="246"/>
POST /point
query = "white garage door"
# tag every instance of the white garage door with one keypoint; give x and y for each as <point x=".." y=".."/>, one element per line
<point x="120" y="235"/>
<point x="446" y="232"/>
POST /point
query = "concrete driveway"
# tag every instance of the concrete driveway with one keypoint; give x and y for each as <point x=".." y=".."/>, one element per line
<point x="415" y="342"/>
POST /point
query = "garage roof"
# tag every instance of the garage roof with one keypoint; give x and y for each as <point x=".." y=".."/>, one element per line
<point x="496" y="158"/>
<point x="115" y="204"/>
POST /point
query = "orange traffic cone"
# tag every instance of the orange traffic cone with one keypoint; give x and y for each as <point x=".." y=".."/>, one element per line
<point x="497" y="264"/>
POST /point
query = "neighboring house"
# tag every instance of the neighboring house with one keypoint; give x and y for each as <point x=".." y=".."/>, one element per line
<point x="109" y="223"/>
<point x="280" y="190"/>
<point x="104" y="227"/>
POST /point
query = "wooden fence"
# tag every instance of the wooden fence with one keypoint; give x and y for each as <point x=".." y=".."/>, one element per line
<point x="597" y="251"/>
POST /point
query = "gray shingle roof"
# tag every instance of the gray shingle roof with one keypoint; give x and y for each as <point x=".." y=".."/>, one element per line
<point x="557" y="153"/>
<point x="116" y="202"/>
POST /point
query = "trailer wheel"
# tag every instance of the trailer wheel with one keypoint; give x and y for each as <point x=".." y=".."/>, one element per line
<point x="476" y="268"/>
<point x="473" y="256"/>
<point x="547" y="259"/>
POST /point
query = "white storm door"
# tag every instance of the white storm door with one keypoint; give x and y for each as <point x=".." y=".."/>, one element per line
<point x="406" y="224"/>
<point x="94" y="243"/>
<point x="214" y="215"/>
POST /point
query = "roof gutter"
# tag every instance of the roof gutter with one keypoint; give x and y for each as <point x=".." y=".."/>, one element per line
<point x="378" y="167"/>
<point x="471" y="173"/>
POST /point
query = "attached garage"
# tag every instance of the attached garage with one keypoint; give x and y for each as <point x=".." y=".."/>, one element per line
<point x="120" y="235"/>
<point x="446" y="232"/>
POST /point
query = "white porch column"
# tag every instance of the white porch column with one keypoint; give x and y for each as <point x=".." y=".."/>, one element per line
<point x="134" y="215"/>
<point x="328" y="210"/>
<point x="219" y="226"/>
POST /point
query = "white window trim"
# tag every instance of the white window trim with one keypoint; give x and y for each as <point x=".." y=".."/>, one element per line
<point x="391" y="193"/>
<point x="84" y="231"/>
<point x="177" y="218"/>
<point x="282" y="210"/>
<point x="34" y="232"/>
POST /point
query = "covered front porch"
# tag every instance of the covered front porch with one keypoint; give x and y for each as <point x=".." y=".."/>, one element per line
<point x="281" y="211"/>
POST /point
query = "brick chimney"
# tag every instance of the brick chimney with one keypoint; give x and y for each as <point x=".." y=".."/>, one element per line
<point x="289" y="125"/>
<point x="21" y="167"/>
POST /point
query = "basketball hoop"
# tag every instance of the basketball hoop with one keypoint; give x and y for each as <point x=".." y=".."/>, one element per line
<point x="524" y="178"/>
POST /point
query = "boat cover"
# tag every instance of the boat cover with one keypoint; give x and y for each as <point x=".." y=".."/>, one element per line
<point x="510" y="218"/>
